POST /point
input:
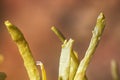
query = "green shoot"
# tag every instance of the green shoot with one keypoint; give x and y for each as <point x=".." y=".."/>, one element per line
<point x="97" y="32"/>
<point x="58" y="33"/>
<point x="65" y="58"/>
<point x="24" y="50"/>
<point x="74" y="55"/>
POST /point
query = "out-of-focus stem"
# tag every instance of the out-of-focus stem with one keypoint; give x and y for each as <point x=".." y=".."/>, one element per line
<point x="62" y="39"/>
<point x="114" y="70"/>
<point x="24" y="50"/>
<point x="97" y="32"/>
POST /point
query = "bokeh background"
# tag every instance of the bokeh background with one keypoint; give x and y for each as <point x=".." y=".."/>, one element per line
<point x="75" y="18"/>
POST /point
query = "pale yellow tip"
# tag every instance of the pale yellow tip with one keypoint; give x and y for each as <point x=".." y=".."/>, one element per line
<point x="7" y="23"/>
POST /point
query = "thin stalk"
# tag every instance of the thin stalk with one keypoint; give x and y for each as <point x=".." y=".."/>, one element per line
<point x="74" y="55"/>
<point x="97" y="32"/>
<point x="58" y="33"/>
<point x="44" y="77"/>
<point x="24" y="50"/>
<point x="62" y="39"/>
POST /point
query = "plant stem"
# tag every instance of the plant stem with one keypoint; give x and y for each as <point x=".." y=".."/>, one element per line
<point x="74" y="55"/>
<point x="65" y="60"/>
<point x="97" y="32"/>
<point x="24" y="50"/>
<point x="44" y="77"/>
<point x="58" y="33"/>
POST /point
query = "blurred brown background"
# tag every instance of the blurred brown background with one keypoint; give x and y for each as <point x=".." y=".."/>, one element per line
<point x="75" y="18"/>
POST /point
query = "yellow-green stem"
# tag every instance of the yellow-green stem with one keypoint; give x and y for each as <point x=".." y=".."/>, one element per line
<point x="74" y="54"/>
<point x="97" y="32"/>
<point x="58" y="33"/>
<point x="44" y="77"/>
<point x="24" y="50"/>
